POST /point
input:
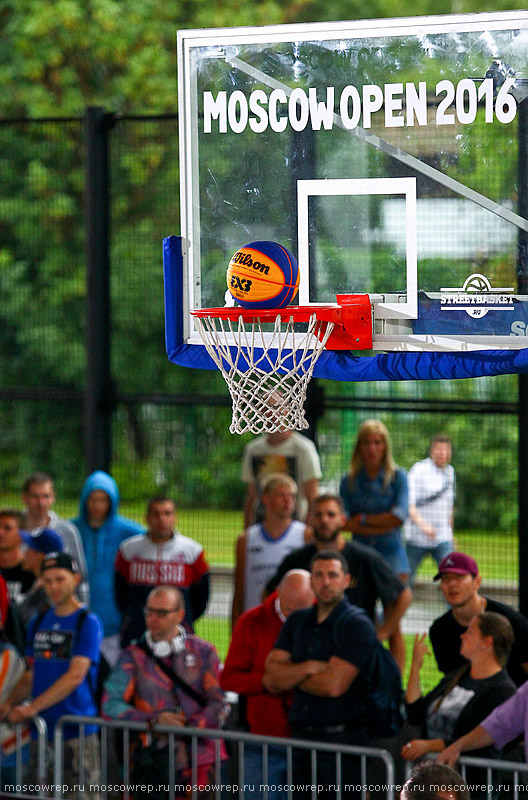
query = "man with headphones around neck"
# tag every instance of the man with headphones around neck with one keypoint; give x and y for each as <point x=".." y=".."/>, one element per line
<point x="169" y="677"/>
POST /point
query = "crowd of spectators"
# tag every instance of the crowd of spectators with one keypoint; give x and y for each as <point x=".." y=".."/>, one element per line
<point x="74" y="594"/>
<point x="97" y="617"/>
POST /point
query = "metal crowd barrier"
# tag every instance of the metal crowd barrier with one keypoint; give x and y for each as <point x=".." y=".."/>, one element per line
<point x="224" y="787"/>
<point x="497" y="779"/>
<point x="35" y="784"/>
<point x="496" y="787"/>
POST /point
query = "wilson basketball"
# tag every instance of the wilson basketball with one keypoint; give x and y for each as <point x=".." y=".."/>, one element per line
<point x="263" y="275"/>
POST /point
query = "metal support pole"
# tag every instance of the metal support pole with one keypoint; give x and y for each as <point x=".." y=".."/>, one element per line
<point x="522" y="288"/>
<point x="99" y="392"/>
<point x="303" y="166"/>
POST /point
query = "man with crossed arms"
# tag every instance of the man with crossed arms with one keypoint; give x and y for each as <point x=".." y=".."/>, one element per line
<point x="322" y="654"/>
<point x="371" y="577"/>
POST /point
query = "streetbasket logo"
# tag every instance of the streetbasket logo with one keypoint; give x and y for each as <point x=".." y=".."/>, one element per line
<point x="476" y="297"/>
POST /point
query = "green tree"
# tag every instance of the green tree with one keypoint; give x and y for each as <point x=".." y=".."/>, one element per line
<point x="58" y="57"/>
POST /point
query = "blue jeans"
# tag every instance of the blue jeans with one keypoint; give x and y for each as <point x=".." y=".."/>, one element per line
<point x="417" y="554"/>
<point x="391" y="547"/>
<point x="253" y="771"/>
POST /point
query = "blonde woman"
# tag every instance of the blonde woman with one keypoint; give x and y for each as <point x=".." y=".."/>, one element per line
<point x="376" y="498"/>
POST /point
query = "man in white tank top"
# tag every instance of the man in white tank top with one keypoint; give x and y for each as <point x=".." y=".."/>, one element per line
<point x="264" y="545"/>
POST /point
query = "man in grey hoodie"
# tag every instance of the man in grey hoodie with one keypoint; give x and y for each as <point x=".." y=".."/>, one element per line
<point x="38" y="495"/>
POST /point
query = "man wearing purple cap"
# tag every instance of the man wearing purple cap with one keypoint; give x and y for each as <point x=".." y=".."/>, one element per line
<point x="460" y="582"/>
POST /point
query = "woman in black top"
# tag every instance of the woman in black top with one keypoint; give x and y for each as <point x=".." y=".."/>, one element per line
<point x="465" y="697"/>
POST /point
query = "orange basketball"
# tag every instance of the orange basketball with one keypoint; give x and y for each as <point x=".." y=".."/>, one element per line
<point x="263" y="275"/>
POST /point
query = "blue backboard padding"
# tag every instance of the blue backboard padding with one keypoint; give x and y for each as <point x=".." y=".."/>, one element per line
<point x="344" y="366"/>
<point x="195" y="356"/>
<point x="338" y="365"/>
<point x="173" y="279"/>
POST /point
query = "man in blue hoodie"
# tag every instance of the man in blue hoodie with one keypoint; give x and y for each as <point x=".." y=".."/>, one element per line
<point x="102" y="530"/>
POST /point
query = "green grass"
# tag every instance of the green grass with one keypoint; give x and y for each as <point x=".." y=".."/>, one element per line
<point x="217" y="631"/>
<point x="430" y="675"/>
<point x="495" y="552"/>
<point x="217" y="531"/>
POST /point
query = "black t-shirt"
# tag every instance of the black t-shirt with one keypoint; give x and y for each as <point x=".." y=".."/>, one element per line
<point x="371" y="577"/>
<point x="351" y="637"/>
<point x="465" y="705"/>
<point x="19" y="582"/>
<point x="445" y="635"/>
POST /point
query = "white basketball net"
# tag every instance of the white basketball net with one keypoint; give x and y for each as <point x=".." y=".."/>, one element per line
<point x="267" y="372"/>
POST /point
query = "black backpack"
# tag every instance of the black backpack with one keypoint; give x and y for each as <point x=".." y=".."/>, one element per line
<point x="384" y="693"/>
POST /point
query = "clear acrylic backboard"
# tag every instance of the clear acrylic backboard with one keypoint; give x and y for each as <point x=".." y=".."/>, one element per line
<point x="385" y="154"/>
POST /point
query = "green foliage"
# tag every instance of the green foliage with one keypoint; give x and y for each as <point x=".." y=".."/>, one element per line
<point x="186" y="452"/>
<point x="56" y="58"/>
<point x="59" y="57"/>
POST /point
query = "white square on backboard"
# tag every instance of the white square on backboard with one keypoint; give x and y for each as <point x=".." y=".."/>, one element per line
<point x="363" y="186"/>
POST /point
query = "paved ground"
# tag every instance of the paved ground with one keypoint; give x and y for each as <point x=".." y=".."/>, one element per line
<point x="427" y="605"/>
<point x="425" y="608"/>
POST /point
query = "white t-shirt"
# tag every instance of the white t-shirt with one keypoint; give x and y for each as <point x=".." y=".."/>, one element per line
<point x="263" y="556"/>
<point x="296" y="456"/>
<point x="432" y="491"/>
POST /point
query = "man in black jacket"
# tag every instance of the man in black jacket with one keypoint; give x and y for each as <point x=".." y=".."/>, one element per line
<point x="320" y="654"/>
<point x="371" y="578"/>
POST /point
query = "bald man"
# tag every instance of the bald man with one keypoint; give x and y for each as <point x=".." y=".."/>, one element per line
<point x="253" y="637"/>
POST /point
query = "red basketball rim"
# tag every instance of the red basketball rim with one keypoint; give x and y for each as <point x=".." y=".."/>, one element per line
<point x="351" y="317"/>
<point x="325" y="312"/>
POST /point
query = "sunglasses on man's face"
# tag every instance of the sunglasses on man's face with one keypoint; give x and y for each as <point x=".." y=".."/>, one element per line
<point x="159" y="612"/>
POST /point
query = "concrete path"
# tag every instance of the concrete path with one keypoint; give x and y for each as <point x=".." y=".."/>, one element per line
<point x="428" y="603"/>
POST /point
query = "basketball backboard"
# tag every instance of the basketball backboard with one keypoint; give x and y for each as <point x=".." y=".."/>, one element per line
<point x="383" y="153"/>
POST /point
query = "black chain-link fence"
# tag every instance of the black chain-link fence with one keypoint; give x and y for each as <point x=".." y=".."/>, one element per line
<point x="170" y="424"/>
